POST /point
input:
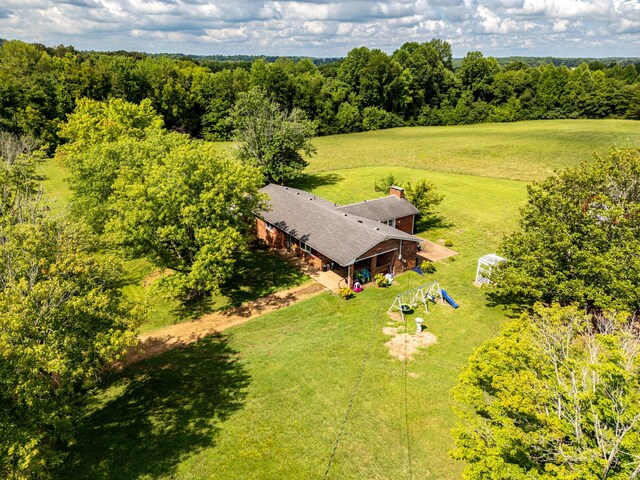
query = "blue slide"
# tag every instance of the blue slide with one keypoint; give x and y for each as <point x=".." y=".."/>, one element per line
<point x="448" y="299"/>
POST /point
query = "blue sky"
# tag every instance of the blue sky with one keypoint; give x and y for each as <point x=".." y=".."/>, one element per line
<point x="327" y="28"/>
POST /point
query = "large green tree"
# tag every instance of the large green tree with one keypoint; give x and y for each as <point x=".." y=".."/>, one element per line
<point x="103" y="138"/>
<point x="579" y="238"/>
<point x="180" y="202"/>
<point x="62" y="321"/>
<point x="555" y="395"/>
<point x="189" y="210"/>
<point x="271" y="138"/>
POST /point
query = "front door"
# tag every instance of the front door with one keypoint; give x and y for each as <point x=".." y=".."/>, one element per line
<point x="288" y="242"/>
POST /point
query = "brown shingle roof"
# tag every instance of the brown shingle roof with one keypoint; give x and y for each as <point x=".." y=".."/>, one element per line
<point x="339" y="235"/>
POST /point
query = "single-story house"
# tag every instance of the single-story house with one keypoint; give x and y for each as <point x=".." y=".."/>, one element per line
<point x="376" y="235"/>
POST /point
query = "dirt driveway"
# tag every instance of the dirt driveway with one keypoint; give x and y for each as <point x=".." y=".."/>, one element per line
<point x="181" y="334"/>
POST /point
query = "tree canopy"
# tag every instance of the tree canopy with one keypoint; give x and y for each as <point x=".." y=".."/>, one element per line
<point x="62" y="321"/>
<point x="183" y="203"/>
<point x="579" y="238"/>
<point x="189" y="210"/>
<point x="271" y="138"/>
<point x="418" y="84"/>
<point x="555" y="395"/>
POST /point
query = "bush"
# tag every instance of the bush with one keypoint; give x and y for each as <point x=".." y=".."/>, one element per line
<point x="428" y="267"/>
<point x="381" y="280"/>
<point x="346" y="293"/>
<point x="375" y="118"/>
<point x="448" y="243"/>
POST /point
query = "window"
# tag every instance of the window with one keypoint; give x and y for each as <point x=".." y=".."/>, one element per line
<point x="305" y="247"/>
<point x="391" y="223"/>
<point x="269" y="227"/>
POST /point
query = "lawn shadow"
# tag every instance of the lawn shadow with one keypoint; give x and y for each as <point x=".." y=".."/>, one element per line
<point x="256" y="274"/>
<point x="510" y="307"/>
<point x="159" y="412"/>
<point x="309" y="181"/>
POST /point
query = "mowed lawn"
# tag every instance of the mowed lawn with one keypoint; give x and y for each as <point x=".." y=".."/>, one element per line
<point x="519" y="151"/>
<point x="265" y="400"/>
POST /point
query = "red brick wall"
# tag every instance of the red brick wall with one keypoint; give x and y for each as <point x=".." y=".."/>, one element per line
<point x="409" y="257"/>
<point x="381" y="247"/>
<point x="409" y="254"/>
<point x="275" y="238"/>
<point x="405" y="223"/>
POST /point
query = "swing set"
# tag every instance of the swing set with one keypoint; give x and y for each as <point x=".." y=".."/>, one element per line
<point x="410" y="299"/>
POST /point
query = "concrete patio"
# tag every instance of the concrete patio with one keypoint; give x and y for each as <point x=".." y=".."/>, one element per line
<point x="330" y="279"/>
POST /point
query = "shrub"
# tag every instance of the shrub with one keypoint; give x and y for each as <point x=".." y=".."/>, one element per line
<point x="448" y="243"/>
<point x="381" y="280"/>
<point x="375" y="118"/>
<point x="428" y="267"/>
<point x="346" y="293"/>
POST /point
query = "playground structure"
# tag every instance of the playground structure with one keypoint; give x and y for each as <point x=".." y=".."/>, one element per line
<point x="486" y="264"/>
<point x="416" y="296"/>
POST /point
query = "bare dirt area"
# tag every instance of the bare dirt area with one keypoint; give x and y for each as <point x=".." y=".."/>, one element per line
<point x="179" y="335"/>
<point x="403" y="345"/>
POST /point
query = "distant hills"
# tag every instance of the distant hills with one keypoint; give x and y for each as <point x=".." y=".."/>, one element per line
<point x="246" y="60"/>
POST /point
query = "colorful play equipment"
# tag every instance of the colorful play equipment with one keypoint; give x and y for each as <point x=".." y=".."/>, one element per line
<point x="486" y="264"/>
<point x="416" y="296"/>
<point x="448" y="299"/>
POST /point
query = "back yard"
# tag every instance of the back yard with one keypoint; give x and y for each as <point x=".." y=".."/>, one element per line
<point x="266" y="399"/>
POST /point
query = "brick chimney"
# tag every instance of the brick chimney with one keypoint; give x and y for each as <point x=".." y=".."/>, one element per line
<point x="397" y="191"/>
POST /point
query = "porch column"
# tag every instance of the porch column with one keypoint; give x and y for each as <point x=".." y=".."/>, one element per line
<point x="374" y="265"/>
<point x="350" y="276"/>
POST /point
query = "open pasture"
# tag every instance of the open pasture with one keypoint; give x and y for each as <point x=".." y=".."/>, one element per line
<point x="266" y="399"/>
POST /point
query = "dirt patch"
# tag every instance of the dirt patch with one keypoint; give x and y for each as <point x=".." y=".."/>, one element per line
<point x="182" y="334"/>
<point x="403" y="345"/>
<point x="154" y="276"/>
<point x="396" y="316"/>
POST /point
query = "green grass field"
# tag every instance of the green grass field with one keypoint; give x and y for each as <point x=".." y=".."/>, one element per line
<point x="265" y="400"/>
<point x="519" y="151"/>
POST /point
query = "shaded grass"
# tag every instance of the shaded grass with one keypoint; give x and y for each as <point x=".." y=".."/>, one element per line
<point x="258" y="273"/>
<point x="158" y="412"/>
<point x="520" y="151"/>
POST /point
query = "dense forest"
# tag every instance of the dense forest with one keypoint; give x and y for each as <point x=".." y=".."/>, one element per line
<point x="419" y="84"/>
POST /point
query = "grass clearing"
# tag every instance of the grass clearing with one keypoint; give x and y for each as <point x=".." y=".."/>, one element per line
<point x="518" y="151"/>
<point x="301" y="363"/>
<point x="266" y="399"/>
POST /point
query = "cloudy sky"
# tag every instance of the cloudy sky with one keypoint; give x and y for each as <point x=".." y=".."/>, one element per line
<point x="329" y="28"/>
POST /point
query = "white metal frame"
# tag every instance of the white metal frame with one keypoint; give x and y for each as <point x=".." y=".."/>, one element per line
<point x="486" y="263"/>
<point x="417" y="295"/>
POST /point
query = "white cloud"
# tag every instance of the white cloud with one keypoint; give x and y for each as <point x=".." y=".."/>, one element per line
<point x="560" y="25"/>
<point x="329" y="27"/>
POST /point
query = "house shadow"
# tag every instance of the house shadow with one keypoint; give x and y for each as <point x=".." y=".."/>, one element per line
<point x="310" y="181"/>
<point x="158" y="412"/>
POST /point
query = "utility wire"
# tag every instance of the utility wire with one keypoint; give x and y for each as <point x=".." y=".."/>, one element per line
<point x="365" y="359"/>
<point x="406" y="401"/>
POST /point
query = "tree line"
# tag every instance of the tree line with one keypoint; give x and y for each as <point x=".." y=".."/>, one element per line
<point x="369" y="89"/>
